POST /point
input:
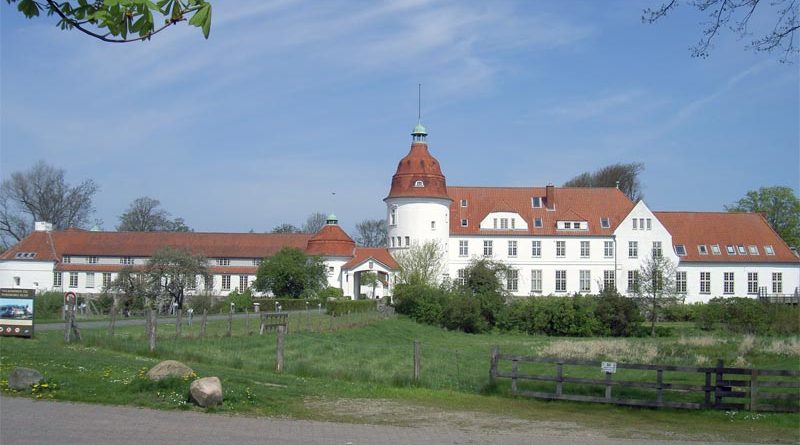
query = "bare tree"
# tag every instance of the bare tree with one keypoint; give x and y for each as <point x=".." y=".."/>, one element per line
<point x="286" y="228"/>
<point x="421" y="264"/>
<point x="736" y="15"/>
<point x="656" y="287"/>
<point x="314" y="222"/>
<point x="42" y="194"/>
<point x="145" y="215"/>
<point x="173" y="271"/>
<point x="371" y="233"/>
<point x="623" y="176"/>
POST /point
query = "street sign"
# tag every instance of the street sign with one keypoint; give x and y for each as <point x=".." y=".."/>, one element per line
<point x="70" y="298"/>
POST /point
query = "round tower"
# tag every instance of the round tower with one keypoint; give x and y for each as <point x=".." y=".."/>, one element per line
<point x="418" y="208"/>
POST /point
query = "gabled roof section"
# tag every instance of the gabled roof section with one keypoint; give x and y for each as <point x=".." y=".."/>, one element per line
<point x="54" y="245"/>
<point x="725" y="228"/>
<point x="589" y="204"/>
<point x="331" y="240"/>
<point x="364" y="254"/>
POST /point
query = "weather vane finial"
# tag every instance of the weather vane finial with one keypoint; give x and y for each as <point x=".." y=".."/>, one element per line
<point x="419" y="102"/>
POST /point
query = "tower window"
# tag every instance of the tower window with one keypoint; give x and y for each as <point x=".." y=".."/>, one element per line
<point x="419" y="184"/>
<point x="433" y="225"/>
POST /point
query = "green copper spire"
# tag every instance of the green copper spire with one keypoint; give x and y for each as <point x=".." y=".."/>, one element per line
<point x="419" y="133"/>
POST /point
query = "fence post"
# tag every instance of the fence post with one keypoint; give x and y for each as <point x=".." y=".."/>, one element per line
<point x="718" y="384"/>
<point x="707" y="389"/>
<point x="514" y="364"/>
<point x="230" y="321"/>
<point x="559" y="378"/>
<point x="754" y="390"/>
<point x="279" y="350"/>
<point x="246" y="322"/>
<point x="203" y="323"/>
<point x="493" y="364"/>
<point x="262" y="327"/>
<point x="153" y="329"/>
<point x="66" y="325"/>
<point x="74" y="326"/>
<point x="112" y="320"/>
<point x="417" y="359"/>
<point x="178" y="321"/>
<point x="608" y="386"/>
<point x="660" y="386"/>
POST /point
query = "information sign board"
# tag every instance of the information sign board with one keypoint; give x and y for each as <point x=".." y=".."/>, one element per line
<point x="16" y="312"/>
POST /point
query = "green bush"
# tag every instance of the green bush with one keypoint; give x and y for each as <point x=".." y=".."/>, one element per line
<point x="749" y="316"/>
<point x="618" y="314"/>
<point x="48" y="305"/>
<point x="341" y="307"/>
<point x="330" y="293"/>
<point x="681" y="312"/>
<point x="421" y="302"/>
<point x="240" y="300"/>
<point x="201" y="302"/>
<point x="465" y="313"/>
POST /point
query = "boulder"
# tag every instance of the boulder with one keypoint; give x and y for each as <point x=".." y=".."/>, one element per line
<point x="206" y="392"/>
<point x="22" y="378"/>
<point x="169" y="368"/>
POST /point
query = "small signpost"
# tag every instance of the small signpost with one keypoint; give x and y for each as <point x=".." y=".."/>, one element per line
<point x="16" y="312"/>
<point x="608" y="367"/>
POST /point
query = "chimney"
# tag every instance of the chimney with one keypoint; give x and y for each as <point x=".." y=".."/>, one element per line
<point x="550" y="197"/>
<point x="42" y="226"/>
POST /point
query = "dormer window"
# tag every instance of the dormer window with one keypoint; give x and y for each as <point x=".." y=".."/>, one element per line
<point x="463" y="203"/>
<point x="769" y="250"/>
<point x="730" y="249"/>
<point x="741" y="249"/>
<point x="680" y="250"/>
<point x="537" y="222"/>
<point x="715" y="249"/>
<point x="66" y="259"/>
<point x="567" y="225"/>
<point x="464" y="222"/>
<point x="91" y="259"/>
<point x="419" y="183"/>
<point x="536" y="202"/>
<point x="753" y="250"/>
<point x="702" y="249"/>
<point x="223" y="261"/>
<point x="25" y="255"/>
<point x="605" y="223"/>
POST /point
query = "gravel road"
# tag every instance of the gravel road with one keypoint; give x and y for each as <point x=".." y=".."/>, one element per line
<point x="27" y="422"/>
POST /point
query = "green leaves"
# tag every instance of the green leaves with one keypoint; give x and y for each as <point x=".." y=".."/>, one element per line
<point x="202" y="18"/>
<point x="28" y="7"/>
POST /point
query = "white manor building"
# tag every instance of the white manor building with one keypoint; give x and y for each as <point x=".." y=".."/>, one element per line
<point x="558" y="241"/>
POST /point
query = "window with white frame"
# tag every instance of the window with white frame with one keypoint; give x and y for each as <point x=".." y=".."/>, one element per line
<point x="243" y="283"/>
<point x="730" y="249"/>
<point x="126" y="260"/>
<point x="585" y="281"/>
<point x="537" y="222"/>
<point x="536" y="248"/>
<point x="769" y="250"/>
<point x="464" y="222"/>
<point x="633" y="249"/>
<point x="608" y="249"/>
<point x="461" y="277"/>
<point x="561" y="249"/>
<point x="633" y="281"/>
<point x="702" y="249"/>
<point x="418" y="183"/>
<point x="752" y="283"/>
<point x="66" y="259"/>
<point x="680" y="250"/>
<point x="753" y="250"/>
<point x="561" y="281"/>
<point x="635" y="223"/>
<point x="657" y="251"/>
<point x="512" y="248"/>
<point x="433" y="225"/>
<point x="504" y="223"/>
<point x="740" y="248"/>
<point x="393" y="216"/>
<point x="513" y="223"/>
<point x="605" y="223"/>
<point x="777" y="282"/>
<point x="609" y="279"/>
<point x="585" y="252"/>
<point x="727" y="283"/>
<point x="649" y="224"/>
<point x="257" y="261"/>
<point x="408" y="241"/>
<point x="223" y="261"/>
<point x="641" y="223"/>
<point x="73" y="279"/>
<point x="536" y="202"/>
<point x="487" y="248"/>
<point x="89" y="279"/>
<point x="463" y="247"/>
<point x="705" y="282"/>
<point x="536" y="281"/>
<point x="56" y="279"/>
<point x="512" y="280"/>
<point x="463" y="203"/>
<point x="494" y="223"/>
<point x="680" y="282"/>
<point x="91" y="259"/>
<point x="393" y="241"/>
<point x="331" y="270"/>
<point x="715" y="249"/>
<point x="226" y="282"/>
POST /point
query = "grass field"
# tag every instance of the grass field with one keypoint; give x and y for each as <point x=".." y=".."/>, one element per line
<point x="365" y="359"/>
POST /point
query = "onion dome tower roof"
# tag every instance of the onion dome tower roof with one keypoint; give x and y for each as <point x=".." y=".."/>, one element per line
<point x="418" y="173"/>
<point x="331" y="240"/>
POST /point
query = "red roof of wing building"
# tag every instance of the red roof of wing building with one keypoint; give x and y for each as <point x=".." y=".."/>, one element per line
<point x="418" y="165"/>
<point x="571" y="204"/>
<point x="331" y="240"/>
<point x="692" y="229"/>
<point x="379" y="254"/>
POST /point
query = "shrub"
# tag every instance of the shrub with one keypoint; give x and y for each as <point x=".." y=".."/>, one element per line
<point x="748" y="316"/>
<point x="618" y="314"/>
<point x="48" y="304"/>
<point x="350" y="306"/>
<point x="330" y="293"/>
<point x="289" y="304"/>
<point x="421" y="302"/>
<point x="201" y="302"/>
<point x="465" y="313"/>
<point x="681" y="312"/>
<point x="240" y="300"/>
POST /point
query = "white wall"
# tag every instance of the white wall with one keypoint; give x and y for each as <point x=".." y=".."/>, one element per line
<point x="32" y="274"/>
<point x="414" y="217"/>
<point x="790" y="278"/>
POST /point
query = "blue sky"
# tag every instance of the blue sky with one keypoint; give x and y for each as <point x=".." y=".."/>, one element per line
<point x="291" y="101"/>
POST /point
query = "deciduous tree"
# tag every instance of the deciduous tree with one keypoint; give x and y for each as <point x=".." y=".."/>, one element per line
<point x="314" y="222"/>
<point x="290" y="272"/>
<point x="656" y="287"/>
<point x="624" y="176"/>
<point x="286" y="228"/>
<point x="172" y="271"/>
<point x="371" y="233"/>
<point x="146" y="215"/>
<point x="780" y="207"/>
<point x="420" y="264"/>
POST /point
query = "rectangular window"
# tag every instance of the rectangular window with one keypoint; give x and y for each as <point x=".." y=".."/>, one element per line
<point x="777" y="282"/>
<point x="715" y="249"/>
<point x="537" y="222"/>
<point x="649" y="224"/>
<point x="487" y="248"/>
<point x="433" y="225"/>
<point x="752" y="283"/>
<point x="585" y="249"/>
<point x="66" y="259"/>
<point x="740" y="248"/>
<point x="91" y="259"/>
<point x="463" y="247"/>
<point x="536" y="202"/>
<point x="73" y="279"/>
<point x="331" y="269"/>
<point x="567" y="225"/>
<point x="680" y="250"/>
<point x="633" y="281"/>
<point x="608" y="249"/>
<point x="657" y="252"/>
<point x="408" y="241"/>
<point x="393" y="241"/>
<point x="730" y="249"/>
<point x="680" y="282"/>
<point x="243" y="284"/>
<point x="753" y="250"/>
<point x="257" y="261"/>
<point x="727" y="282"/>
<point x="126" y="260"/>
<point x="769" y="250"/>
<point x="512" y="248"/>
<point x="494" y="223"/>
<point x="604" y="223"/>
<point x="226" y="282"/>
<point x="702" y="250"/>
<point x="586" y="281"/>
<point x="641" y="223"/>
<point x="512" y="280"/>
<point x="464" y="222"/>
<point x="504" y="223"/>
<point x="461" y="277"/>
<point x="536" y="249"/>
<point x="513" y="223"/>
<point x="635" y="224"/>
<point x="633" y="249"/>
<point x="463" y="203"/>
<point x="393" y="216"/>
<point x="89" y="279"/>
<point x="561" y="249"/>
<point x="223" y="261"/>
<point x="705" y="282"/>
<point x="561" y="281"/>
<point x="609" y="280"/>
<point x="536" y="281"/>
<point x="56" y="279"/>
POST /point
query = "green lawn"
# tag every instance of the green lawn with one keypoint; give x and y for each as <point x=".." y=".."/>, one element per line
<point x="363" y="356"/>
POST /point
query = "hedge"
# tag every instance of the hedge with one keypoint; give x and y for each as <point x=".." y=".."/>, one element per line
<point x="340" y="307"/>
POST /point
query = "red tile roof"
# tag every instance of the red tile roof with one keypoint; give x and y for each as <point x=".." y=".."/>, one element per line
<point x="571" y="203"/>
<point x="363" y="254"/>
<point x="725" y="228"/>
<point x="331" y="240"/>
<point x="54" y="245"/>
<point x="418" y="165"/>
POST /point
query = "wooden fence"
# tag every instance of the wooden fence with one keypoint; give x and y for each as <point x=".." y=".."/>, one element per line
<point x="756" y="389"/>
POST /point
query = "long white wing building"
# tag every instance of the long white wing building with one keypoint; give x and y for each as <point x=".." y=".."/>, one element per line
<point x="558" y="241"/>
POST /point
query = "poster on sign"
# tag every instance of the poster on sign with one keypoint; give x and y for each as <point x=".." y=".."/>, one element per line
<point x="16" y="312"/>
